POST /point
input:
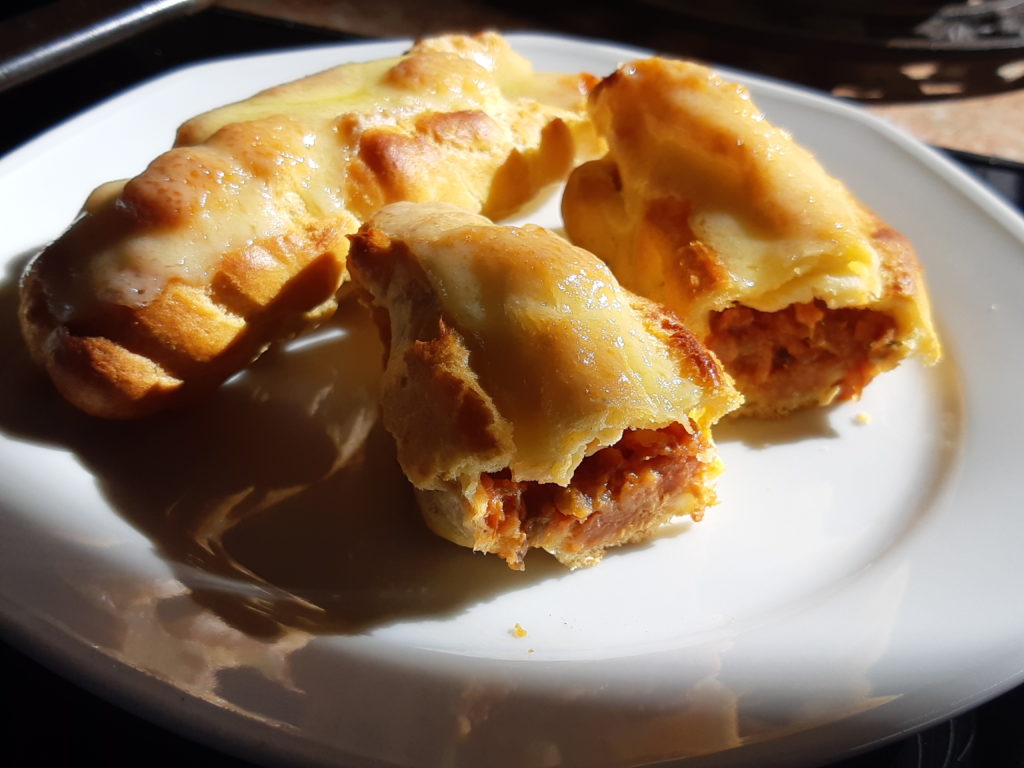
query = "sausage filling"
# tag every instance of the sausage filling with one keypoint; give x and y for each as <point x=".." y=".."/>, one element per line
<point x="803" y="354"/>
<point x="617" y="495"/>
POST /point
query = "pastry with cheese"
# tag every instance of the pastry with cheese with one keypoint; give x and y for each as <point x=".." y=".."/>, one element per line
<point x="701" y="204"/>
<point x="170" y="282"/>
<point x="533" y="401"/>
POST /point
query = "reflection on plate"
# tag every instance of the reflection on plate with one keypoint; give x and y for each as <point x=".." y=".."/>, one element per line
<point x="254" y="567"/>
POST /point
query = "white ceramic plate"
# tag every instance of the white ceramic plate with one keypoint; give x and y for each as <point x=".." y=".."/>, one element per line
<point x="240" y="572"/>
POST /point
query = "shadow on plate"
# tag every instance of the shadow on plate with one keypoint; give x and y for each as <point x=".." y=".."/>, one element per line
<point x="809" y="424"/>
<point x="282" y="482"/>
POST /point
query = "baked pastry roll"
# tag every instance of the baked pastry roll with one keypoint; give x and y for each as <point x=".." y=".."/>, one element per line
<point x="533" y="401"/>
<point x="701" y="204"/>
<point x="171" y="281"/>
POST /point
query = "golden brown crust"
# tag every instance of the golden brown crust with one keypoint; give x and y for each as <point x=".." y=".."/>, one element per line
<point x="703" y="205"/>
<point x="429" y="365"/>
<point x="235" y="238"/>
<point x="117" y="361"/>
<point x="513" y="360"/>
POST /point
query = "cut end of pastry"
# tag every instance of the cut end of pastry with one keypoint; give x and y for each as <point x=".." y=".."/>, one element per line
<point x="803" y="355"/>
<point x="702" y="205"/>
<point x="619" y="495"/>
<point x="534" y="402"/>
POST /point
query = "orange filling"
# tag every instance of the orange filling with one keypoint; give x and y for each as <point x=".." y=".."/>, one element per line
<point x="616" y="495"/>
<point x="802" y="354"/>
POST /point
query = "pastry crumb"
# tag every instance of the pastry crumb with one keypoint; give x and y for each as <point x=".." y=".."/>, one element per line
<point x="518" y="631"/>
<point x="862" y="418"/>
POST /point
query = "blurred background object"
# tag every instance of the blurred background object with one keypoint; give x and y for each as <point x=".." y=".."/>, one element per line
<point x="952" y="74"/>
<point x="937" y="67"/>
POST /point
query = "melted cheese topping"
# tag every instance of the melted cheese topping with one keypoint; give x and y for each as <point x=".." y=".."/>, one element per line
<point x="552" y="336"/>
<point x="334" y="146"/>
<point x="695" y="157"/>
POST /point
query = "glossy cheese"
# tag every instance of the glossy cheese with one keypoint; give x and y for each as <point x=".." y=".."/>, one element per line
<point x="333" y="145"/>
<point x="703" y="204"/>
<point x="236" y="237"/>
<point x="558" y="358"/>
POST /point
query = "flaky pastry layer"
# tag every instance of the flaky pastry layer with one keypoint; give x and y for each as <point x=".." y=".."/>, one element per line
<point x="703" y="205"/>
<point x="514" y="359"/>
<point x="236" y="238"/>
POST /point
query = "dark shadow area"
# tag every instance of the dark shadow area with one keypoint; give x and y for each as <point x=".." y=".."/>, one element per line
<point x="282" y="483"/>
<point x="808" y="424"/>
